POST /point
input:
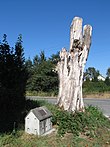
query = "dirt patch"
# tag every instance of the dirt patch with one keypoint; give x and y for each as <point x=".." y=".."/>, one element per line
<point x="98" y="95"/>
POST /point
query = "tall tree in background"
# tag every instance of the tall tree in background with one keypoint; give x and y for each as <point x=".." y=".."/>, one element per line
<point x="36" y="60"/>
<point x="21" y="73"/>
<point x="43" y="77"/>
<point x="29" y="68"/>
<point x="92" y="74"/>
<point x="55" y="58"/>
<point x="108" y="72"/>
<point x="107" y="80"/>
<point x="42" y="57"/>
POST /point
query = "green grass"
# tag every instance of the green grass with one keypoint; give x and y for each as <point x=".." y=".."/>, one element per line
<point x="21" y="139"/>
<point x="90" y="128"/>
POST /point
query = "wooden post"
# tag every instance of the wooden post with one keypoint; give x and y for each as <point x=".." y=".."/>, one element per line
<point x="71" y="67"/>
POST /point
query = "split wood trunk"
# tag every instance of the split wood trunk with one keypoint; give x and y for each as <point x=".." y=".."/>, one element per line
<point x="71" y="67"/>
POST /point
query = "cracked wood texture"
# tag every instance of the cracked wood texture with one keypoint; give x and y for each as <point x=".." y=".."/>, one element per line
<point x="71" y="67"/>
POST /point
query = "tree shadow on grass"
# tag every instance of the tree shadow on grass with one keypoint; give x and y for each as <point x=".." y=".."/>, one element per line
<point x="12" y="119"/>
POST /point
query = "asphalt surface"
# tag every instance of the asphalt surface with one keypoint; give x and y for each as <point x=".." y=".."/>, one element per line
<point x="103" y="104"/>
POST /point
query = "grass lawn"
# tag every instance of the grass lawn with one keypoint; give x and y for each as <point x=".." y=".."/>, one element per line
<point x="21" y="139"/>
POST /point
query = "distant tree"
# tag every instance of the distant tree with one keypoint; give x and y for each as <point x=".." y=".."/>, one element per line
<point x="55" y="58"/>
<point x="94" y="87"/>
<point x="92" y="73"/>
<point x="29" y="68"/>
<point x="108" y="72"/>
<point x="36" y="60"/>
<point x="107" y="80"/>
<point x="44" y="79"/>
<point x="28" y="64"/>
<point x="42" y="57"/>
<point x="43" y="76"/>
<point x="39" y="59"/>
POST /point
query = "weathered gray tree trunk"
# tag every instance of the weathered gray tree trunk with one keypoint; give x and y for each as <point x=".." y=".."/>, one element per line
<point x="71" y="67"/>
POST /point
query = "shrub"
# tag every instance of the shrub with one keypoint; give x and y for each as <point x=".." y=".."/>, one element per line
<point x="86" y="122"/>
<point x="94" y="87"/>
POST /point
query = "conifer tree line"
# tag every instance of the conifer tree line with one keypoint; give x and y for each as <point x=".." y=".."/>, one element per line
<point x="42" y="76"/>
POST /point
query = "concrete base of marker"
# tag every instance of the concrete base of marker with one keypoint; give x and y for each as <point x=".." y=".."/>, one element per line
<point x="49" y="132"/>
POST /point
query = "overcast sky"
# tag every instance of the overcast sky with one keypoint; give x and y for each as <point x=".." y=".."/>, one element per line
<point x="45" y="25"/>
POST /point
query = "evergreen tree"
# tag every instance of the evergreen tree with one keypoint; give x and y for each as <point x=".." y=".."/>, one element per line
<point x="43" y="78"/>
<point x="29" y="68"/>
<point x="21" y="72"/>
<point x="13" y="76"/>
<point x="92" y="74"/>
<point x="107" y="80"/>
<point x="108" y="72"/>
<point x="55" y="58"/>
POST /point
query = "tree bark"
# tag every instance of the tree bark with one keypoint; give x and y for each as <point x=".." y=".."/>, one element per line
<point x="71" y="67"/>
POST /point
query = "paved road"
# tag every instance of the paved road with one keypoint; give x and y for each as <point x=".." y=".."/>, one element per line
<point x="103" y="104"/>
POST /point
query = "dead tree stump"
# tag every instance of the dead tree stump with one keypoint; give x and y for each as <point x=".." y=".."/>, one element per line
<point x="71" y="67"/>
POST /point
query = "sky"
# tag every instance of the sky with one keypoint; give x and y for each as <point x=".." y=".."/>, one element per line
<point x="45" y="25"/>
